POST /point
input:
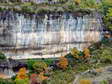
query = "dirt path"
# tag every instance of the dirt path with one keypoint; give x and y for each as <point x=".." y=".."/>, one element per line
<point x="3" y="76"/>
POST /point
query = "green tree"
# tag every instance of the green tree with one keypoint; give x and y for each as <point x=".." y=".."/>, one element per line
<point x="30" y="64"/>
<point x="108" y="19"/>
<point x="39" y="66"/>
<point x="2" y="56"/>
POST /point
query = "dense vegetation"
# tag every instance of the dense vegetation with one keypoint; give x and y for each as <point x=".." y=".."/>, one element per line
<point x="108" y="19"/>
<point x="61" y="6"/>
<point x="63" y="70"/>
<point x="107" y="13"/>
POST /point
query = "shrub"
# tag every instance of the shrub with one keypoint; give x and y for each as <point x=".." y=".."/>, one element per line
<point x="1" y="9"/>
<point x="2" y="56"/>
<point x="33" y="79"/>
<point x="108" y="19"/>
<point x="63" y="63"/>
<point x="6" y="81"/>
<point x="71" y="59"/>
<point x="85" y="82"/>
<point x="30" y="64"/>
<point x="61" y="77"/>
<point x="44" y="82"/>
<point x="41" y="77"/>
<point x="39" y="66"/>
<point x="70" y="8"/>
<point x="105" y="41"/>
<point x="48" y="61"/>
<point x="42" y="10"/>
<point x="106" y="55"/>
<point x="104" y="82"/>
<point x="22" y="81"/>
<point x="80" y="68"/>
<point x="14" y="77"/>
<point x="27" y="9"/>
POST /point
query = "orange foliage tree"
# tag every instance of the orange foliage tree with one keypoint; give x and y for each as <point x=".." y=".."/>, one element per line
<point x="63" y="63"/>
<point x="86" y="52"/>
<point x="22" y="74"/>
<point x="22" y="77"/>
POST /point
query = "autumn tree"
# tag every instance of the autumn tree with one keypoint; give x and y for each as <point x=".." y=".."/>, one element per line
<point x="75" y="52"/>
<point x="22" y="73"/>
<point x="77" y="2"/>
<point x="63" y="62"/>
<point x="86" y="52"/>
<point x="22" y="77"/>
<point x="85" y="81"/>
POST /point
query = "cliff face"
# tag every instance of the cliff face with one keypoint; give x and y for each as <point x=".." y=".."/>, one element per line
<point x="36" y="1"/>
<point x="47" y="35"/>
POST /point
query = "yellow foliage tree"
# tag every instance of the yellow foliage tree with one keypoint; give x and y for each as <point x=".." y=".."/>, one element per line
<point x="22" y="74"/>
<point x="75" y="52"/>
<point x="63" y="62"/>
<point x="77" y="2"/>
<point x="85" y="82"/>
<point x="22" y="77"/>
<point x="86" y="52"/>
